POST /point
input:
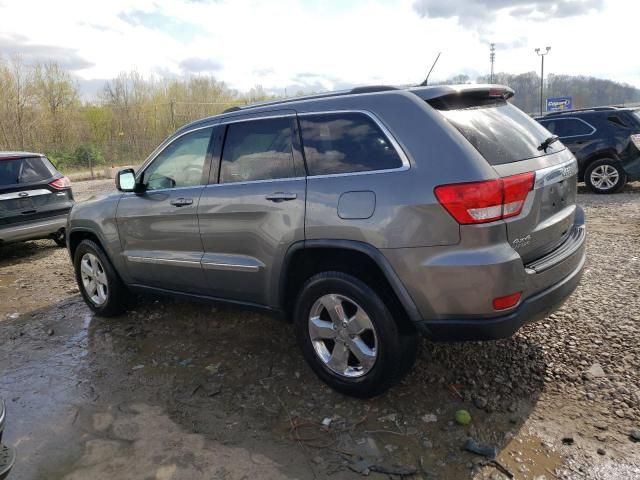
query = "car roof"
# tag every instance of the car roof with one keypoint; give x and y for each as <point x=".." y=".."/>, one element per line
<point x="424" y="92"/>
<point x="15" y="155"/>
<point x="585" y="111"/>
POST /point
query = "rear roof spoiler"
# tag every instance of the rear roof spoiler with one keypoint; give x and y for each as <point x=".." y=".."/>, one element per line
<point x="478" y="91"/>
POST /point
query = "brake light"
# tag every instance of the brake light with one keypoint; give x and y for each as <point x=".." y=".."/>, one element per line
<point x="486" y="201"/>
<point x="61" y="183"/>
<point x="508" y="301"/>
<point x="636" y="140"/>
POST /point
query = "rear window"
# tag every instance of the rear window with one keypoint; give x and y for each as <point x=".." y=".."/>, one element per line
<point x="25" y="170"/>
<point x="501" y="132"/>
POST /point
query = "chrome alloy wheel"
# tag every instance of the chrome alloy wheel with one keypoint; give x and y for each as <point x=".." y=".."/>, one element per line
<point x="94" y="278"/>
<point x="604" y="177"/>
<point x="343" y="335"/>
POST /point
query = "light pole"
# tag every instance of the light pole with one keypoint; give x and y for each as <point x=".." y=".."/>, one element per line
<point x="492" y="58"/>
<point x="542" y="55"/>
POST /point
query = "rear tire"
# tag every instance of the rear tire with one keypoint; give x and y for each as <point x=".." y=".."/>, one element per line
<point x="60" y="238"/>
<point x="605" y="176"/>
<point x="99" y="283"/>
<point x="369" y="358"/>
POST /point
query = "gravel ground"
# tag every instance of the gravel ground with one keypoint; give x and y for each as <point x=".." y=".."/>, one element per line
<point x="558" y="400"/>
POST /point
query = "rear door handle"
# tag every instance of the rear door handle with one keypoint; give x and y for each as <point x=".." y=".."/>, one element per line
<point x="181" y="202"/>
<point x="281" y="197"/>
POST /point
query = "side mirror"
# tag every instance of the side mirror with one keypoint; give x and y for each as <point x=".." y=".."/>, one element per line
<point x="126" y="180"/>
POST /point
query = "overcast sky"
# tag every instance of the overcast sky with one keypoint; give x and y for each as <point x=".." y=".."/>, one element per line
<point x="317" y="45"/>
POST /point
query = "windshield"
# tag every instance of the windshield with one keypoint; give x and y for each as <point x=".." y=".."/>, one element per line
<point x="501" y="132"/>
<point x="636" y="113"/>
<point x="25" y="170"/>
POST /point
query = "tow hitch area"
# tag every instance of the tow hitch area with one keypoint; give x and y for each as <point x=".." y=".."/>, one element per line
<point x="7" y="454"/>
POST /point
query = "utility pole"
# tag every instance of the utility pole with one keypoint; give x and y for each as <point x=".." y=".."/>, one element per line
<point x="172" y="106"/>
<point x="542" y="55"/>
<point x="492" y="58"/>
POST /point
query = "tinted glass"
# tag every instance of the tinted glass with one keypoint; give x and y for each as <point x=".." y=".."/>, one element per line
<point x="636" y="115"/>
<point x="25" y="170"/>
<point x="181" y="164"/>
<point x="257" y="150"/>
<point x="501" y="132"/>
<point x="567" y="127"/>
<point x="345" y="143"/>
<point x="616" y="120"/>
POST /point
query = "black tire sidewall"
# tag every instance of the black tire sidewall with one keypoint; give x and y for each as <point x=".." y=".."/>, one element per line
<point x="60" y="239"/>
<point x="116" y="294"/>
<point x="385" y="370"/>
<point x="622" y="176"/>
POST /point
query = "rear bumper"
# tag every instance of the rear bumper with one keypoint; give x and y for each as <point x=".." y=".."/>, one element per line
<point x="2" y="417"/>
<point x="530" y="310"/>
<point x="41" y="228"/>
<point x="7" y="454"/>
<point x="453" y="287"/>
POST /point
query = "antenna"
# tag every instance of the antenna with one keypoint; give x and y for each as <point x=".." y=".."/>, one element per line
<point x="426" y="80"/>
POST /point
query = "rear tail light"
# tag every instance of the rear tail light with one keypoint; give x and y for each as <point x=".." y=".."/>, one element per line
<point x="508" y="301"/>
<point x="61" y="183"/>
<point x="486" y="201"/>
<point x="636" y="141"/>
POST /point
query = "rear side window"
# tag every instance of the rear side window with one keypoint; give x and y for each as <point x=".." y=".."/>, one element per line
<point x="501" y="132"/>
<point x="257" y="150"/>
<point x="25" y="170"/>
<point x="568" y="127"/>
<point x="617" y="121"/>
<point x="345" y="143"/>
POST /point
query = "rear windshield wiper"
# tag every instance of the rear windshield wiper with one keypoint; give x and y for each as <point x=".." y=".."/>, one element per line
<point x="548" y="142"/>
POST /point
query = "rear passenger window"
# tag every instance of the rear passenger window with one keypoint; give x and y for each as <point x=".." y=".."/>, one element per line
<point x="257" y="150"/>
<point x="567" y="127"/>
<point x="345" y="143"/>
<point x="617" y="121"/>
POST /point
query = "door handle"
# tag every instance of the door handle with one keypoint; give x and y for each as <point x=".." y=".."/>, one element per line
<point x="181" y="202"/>
<point x="281" y="197"/>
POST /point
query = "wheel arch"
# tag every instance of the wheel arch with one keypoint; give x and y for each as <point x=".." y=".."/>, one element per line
<point x="77" y="235"/>
<point x="594" y="157"/>
<point x="306" y="258"/>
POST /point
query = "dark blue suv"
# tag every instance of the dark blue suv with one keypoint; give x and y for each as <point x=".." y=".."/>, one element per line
<point x="606" y="142"/>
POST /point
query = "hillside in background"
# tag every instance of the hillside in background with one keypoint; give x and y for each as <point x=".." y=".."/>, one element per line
<point x="41" y="108"/>
<point x="586" y="91"/>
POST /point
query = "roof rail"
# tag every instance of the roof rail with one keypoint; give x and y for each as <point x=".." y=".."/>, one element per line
<point x="371" y="89"/>
<point x="589" y="109"/>
<point x="338" y="93"/>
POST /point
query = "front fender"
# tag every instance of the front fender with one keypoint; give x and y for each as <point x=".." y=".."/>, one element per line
<point x="98" y="217"/>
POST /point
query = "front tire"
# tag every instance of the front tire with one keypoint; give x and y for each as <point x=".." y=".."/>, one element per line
<point x="99" y="284"/>
<point x="605" y="176"/>
<point x="348" y="335"/>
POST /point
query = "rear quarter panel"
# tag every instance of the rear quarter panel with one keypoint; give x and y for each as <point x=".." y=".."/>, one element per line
<point x="407" y="213"/>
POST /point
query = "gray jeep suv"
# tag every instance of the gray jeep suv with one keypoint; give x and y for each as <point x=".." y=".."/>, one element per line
<point x="366" y="216"/>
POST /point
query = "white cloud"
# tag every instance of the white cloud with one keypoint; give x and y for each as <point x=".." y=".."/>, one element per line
<point x="314" y="44"/>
